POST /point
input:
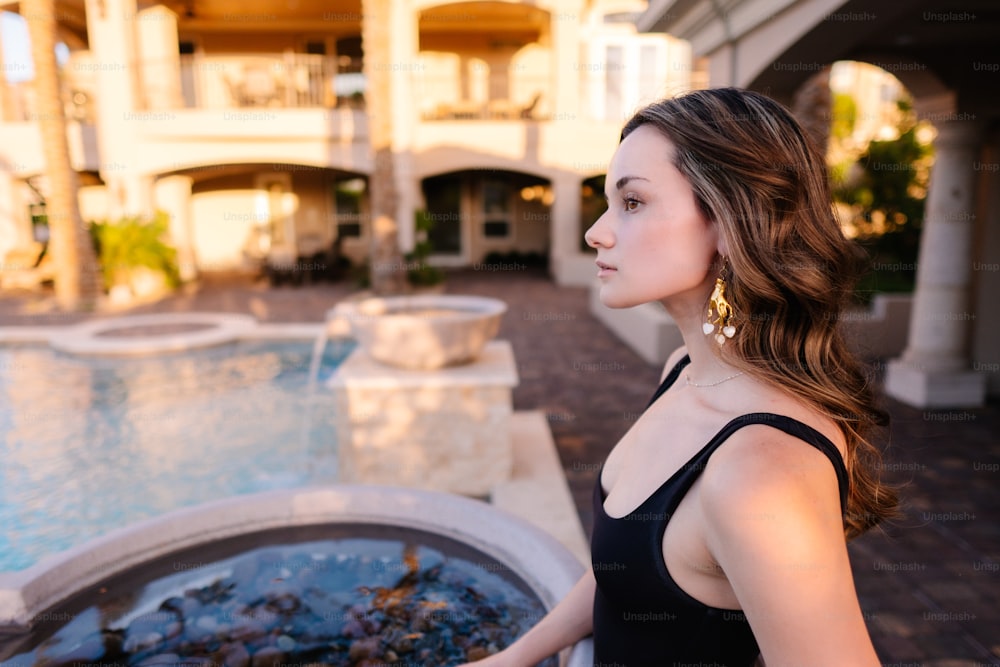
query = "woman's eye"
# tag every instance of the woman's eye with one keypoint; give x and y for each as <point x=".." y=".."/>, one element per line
<point x="631" y="203"/>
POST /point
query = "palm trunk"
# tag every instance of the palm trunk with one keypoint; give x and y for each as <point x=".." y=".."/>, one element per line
<point x="76" y="280"/>
<point x="387" y="275"/>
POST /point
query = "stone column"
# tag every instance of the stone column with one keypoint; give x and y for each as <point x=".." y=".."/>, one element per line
<point x="564" y="227"/>
<point x="405" y="58"/>
<point x="563" y="98"/>
<point x="934" y="370"/>
<point x="15" y="228"/>
<point x="119" y="115"/>
<point x="159" y="59"/>
<point x="7" y="109"/>
<point x="173" y="195"/>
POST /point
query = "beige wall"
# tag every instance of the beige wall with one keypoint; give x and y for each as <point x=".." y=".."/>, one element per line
<point x="223" y="220"/>
<point x="225" y="209"/>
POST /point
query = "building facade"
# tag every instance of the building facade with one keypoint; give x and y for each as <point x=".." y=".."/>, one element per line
<point x="247" y="123"/>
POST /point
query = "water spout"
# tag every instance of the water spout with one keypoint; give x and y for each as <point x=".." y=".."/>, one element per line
<point x="322" y="464"/>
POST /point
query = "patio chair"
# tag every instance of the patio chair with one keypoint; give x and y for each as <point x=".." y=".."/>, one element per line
<point x="26" y="267"/>
<point x="528" y="112"/>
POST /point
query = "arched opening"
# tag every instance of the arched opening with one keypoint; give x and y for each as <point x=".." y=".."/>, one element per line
<point x="879" y="157"/>
<point x="288" y="221"/>
<point x="592" y="205"/>
<point x="480" y="214"/>
<point x="483" y="60"/>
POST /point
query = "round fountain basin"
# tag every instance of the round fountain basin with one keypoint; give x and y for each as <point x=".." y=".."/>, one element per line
<point x="423" y="332"/>
<point x="326" y="576"/>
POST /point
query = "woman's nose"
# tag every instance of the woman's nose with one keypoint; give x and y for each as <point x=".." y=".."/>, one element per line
<point x="599" y="236"/>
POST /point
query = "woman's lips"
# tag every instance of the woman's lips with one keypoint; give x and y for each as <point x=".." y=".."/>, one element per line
<point x="604" y="270"/>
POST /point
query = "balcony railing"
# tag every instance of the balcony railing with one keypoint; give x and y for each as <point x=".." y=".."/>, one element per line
<point x="20" y="103"/>
<point x="496" y="109"/>
<point x="282" y="80"/>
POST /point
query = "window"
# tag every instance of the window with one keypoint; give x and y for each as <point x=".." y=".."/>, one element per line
<point x="347" y="196"/>
<point x="496" y="208"/>
<point x="624" y="73"/>
<point x="592" y="206"/>
<point x="443" y="195"/>
<point x="649" y="76"/>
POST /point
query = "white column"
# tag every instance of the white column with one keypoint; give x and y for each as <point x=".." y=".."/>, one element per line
<point x="159" y="58"/>
<point x="173" y="195"/>
<point x="7" y="110"/>
<point x="563" y="99"/>
<point x="405" y="24"/>
<point x="934" y="370"/>
<point x="564" y="230"/>
<point x="15" y="228"/>
<point x="111" y="34"/>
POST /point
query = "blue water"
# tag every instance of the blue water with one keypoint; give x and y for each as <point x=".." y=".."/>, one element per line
<point x="345" y="601"/>
<point x="91" y="444"/>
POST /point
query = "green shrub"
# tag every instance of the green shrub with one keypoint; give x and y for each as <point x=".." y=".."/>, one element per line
<point x="422" y="274"/>
<point x="134" y="242"/>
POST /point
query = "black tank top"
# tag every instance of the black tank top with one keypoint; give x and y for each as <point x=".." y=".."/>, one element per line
<point x="641" y="616"/>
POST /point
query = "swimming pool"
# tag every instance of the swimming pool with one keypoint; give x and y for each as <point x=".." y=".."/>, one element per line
<point x="89" y="444"/>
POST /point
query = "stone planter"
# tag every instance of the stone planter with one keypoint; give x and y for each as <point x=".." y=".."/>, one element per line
<point x="423" y="332"/>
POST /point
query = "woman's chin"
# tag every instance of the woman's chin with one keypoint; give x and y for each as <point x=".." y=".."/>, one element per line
<point x="612" y="300"/>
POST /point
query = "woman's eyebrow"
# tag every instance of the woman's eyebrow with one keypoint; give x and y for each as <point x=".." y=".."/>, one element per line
<point x="623" y="181"/>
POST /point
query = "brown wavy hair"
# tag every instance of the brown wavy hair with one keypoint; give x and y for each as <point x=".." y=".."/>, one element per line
<point x="791" y="271"/>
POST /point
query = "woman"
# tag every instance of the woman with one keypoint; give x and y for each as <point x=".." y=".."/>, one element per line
<point x="721" y="517"/>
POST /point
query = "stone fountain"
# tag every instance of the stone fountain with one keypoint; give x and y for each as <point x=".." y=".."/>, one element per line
<point x="425" y="399"/>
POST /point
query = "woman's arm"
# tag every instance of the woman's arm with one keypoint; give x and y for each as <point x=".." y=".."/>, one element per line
<point x="569" y="621"/>
<point x="773" y="524"/>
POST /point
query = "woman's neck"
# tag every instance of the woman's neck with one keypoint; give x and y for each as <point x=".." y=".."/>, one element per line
<point x="706" y="364"/>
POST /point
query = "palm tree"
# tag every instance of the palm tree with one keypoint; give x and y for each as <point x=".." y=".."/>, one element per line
<point x="77" y="281"/>
<point x="384" y="257"/>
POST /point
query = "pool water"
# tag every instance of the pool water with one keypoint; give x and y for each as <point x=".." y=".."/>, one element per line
<point x="337" y="602"/>
<point x="89" y="444"/>
<point x="342" y="602"/>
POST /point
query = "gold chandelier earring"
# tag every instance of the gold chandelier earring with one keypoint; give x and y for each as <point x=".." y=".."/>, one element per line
<point x="719" y="324"/>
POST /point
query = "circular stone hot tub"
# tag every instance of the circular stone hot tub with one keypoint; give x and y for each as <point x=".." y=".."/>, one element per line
<point x="145" y="576"/>
<point x="151" y="334"/>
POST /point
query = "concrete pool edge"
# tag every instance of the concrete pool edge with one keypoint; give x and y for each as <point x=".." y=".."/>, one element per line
<point x="92" y="336"/>
<point x="544" y="564"/>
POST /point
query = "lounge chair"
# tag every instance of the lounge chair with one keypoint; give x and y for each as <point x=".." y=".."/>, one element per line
<point x="26" y="267"/>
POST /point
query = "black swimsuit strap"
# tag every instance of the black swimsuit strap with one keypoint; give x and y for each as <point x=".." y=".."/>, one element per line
<point x="792" y="427"/>
<point x="670" y="379"/>
<point x="806" y="433"/>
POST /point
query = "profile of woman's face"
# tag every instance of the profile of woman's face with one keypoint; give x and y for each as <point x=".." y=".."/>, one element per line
<point x="653" y="243"/>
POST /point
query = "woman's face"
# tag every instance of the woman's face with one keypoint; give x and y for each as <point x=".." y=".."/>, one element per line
<point x="653" y="243"/>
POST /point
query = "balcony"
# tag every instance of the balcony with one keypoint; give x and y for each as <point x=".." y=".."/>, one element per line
<point x="501" y="109"/>
<point x="256" y="80"/>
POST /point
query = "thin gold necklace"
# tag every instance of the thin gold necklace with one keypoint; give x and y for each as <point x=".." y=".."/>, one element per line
<point x="687" y="380"/>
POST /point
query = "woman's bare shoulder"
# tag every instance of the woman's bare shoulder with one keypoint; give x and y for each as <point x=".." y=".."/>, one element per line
<point x="766" y="472"/>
